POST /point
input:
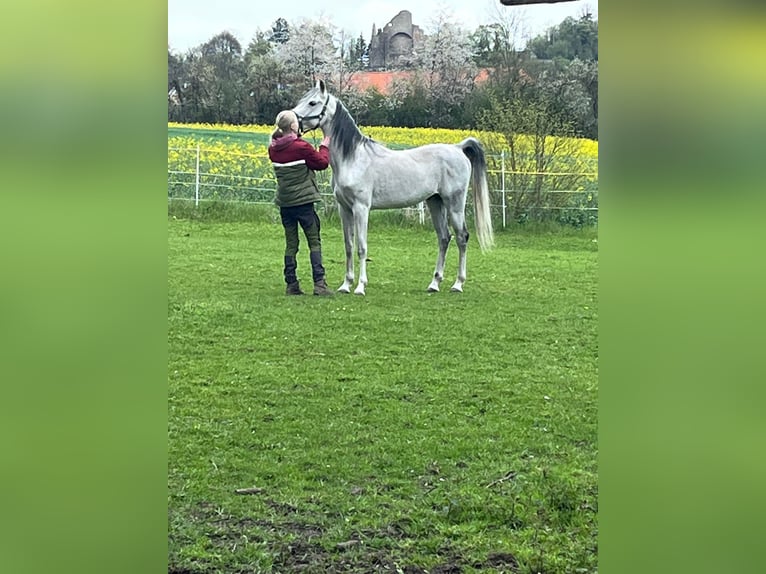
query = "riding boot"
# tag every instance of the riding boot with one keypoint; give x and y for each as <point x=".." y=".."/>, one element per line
<point x="321" y="288"/>
<point x="293" y="287"/>
<point x="317" y="271"/>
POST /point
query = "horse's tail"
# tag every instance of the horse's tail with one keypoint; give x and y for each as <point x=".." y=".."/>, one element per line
<point x="471" y="147"/>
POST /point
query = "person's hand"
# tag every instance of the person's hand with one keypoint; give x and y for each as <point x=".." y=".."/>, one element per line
<point x="326" y="141"/>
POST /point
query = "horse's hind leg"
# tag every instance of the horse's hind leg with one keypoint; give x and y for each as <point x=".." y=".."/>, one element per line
<point x="439" y="218"/>
<point x="347" y="221"/>
<point x="457" y="219"/>
<point x="361" y="219"/>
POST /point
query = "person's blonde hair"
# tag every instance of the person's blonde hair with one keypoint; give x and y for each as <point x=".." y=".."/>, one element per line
<point x="284" y="121"/>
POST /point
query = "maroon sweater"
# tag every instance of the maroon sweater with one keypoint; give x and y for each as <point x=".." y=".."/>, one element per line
<point x="294" y="161"/>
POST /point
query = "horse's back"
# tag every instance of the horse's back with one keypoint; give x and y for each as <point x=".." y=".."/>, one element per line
<point x="446" y="162"/>
<point x="381" y="178"/>
<point x="407" y="177"/>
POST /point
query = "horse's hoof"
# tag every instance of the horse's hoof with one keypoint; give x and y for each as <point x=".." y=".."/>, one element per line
<point x="358" y="291"/>
<point x="433" y="289"/>
<point x="456" y="289"/>
<point x="344" y="289"/>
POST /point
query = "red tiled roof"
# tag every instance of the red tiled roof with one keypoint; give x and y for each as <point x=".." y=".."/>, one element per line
<point x="381" y="81"/>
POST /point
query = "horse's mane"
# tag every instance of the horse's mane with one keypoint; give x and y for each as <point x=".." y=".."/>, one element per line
<point x="346" y="133"/>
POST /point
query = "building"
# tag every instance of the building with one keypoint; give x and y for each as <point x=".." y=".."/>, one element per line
<point x="394" y="45"/>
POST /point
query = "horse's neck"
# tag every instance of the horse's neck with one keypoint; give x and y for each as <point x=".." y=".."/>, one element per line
<point x="345" y="136"/>
<point x="342" y="119"/>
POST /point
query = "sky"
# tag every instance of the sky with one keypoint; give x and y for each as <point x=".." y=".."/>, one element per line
<point x="193" y="22"/>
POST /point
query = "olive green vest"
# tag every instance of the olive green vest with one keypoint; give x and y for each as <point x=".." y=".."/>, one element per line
<point x="296" y="184"/>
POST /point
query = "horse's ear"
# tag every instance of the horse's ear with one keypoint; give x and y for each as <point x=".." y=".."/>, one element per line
<point x="320" y="86"/>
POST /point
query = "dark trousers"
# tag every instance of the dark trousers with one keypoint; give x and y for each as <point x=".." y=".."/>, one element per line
<point x="307" y="218"/>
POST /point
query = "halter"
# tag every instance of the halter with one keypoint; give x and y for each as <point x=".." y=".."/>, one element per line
<point x="319" y="116"/>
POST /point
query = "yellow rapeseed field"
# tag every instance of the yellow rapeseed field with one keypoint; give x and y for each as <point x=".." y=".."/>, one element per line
<point x="235" y="157"/>
<point x="410" y="137"/>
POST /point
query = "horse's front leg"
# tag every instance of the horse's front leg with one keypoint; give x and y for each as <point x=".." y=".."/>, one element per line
<point x="347" y="222"/>
<point x="361" y="218"/>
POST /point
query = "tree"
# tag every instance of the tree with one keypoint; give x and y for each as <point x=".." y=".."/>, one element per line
<point x="408" y="103"/>
<point x="280" y="31"/>
<point x="308" y="54"/>
<point x="223" y="46"/>
<point x="536" y="136"/>
<point x="222" y="56"/>
<point x="175" y="68"/>
<point x="370" y="108"/>
<point x="265" y="95"/>
<point x="200" y="78"/>
<point x="495" y="44"/>
<point x="446" y="71"/>
<point x="573" y="94"/>
<point x="175" y="95"/>
<point x="356" y="53"/>
<point x="343" y="66"/>
<point x="566" y="75"/>
<point x="496" y="47"/>
<point x="569" y="40"/>
<point x="587" y="74"/>
<point x="220" y="83"/>
<point x="482" y="45"/>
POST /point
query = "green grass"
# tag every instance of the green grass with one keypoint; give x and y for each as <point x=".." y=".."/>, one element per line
<point x="397" y="432"/>
<point x="216" y="136"/>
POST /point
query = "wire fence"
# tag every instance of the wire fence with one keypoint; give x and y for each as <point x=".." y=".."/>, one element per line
<point x="567" y="194"/>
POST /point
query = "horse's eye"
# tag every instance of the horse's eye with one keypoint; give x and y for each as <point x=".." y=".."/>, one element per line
<point x="312" y="103"/>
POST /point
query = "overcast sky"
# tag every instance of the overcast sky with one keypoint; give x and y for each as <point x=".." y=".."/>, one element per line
<point x="193" y="22"/>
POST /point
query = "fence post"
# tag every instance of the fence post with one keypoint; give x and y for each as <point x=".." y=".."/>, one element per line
<point x="196" y="185"/>
<point x="422" y="212"/>
<point x="502" y="181"/>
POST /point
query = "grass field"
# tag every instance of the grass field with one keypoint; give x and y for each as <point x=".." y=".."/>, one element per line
<point x="401" y="432"/>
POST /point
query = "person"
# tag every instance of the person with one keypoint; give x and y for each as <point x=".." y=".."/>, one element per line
<point x="295" y="162"/>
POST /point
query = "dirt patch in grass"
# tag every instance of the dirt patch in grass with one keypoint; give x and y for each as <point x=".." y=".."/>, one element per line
<point x="299" y="546"/>
<point x="501" y="562"/>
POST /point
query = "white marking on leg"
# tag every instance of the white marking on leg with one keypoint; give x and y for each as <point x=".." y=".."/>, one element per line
<point x="347" y="221"/>
<point x="361" y="218"/>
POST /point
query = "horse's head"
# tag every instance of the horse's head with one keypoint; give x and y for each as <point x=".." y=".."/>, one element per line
<point x="312" y="108"/>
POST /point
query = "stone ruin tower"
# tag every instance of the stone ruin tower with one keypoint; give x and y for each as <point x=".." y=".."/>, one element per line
<point x="393" y="44"/>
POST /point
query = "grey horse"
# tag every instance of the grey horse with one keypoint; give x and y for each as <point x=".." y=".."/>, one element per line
<point x="367" y="175"/>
